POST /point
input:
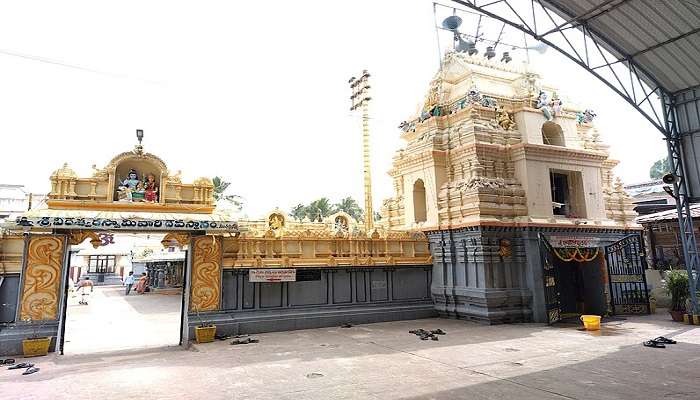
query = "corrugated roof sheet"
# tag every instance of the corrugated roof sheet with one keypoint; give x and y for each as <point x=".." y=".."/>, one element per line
<point x="668" y="215"/>
<point x="661" y="36"/>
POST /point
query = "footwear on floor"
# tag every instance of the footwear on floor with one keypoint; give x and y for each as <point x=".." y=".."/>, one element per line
<point x="664" y="340"/>
<point x="653" y="343"/>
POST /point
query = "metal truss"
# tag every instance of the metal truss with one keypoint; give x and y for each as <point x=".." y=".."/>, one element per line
<point x="577" y="40"/>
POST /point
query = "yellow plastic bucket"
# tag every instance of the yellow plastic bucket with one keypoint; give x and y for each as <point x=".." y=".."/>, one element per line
<point x="591" y="322"/>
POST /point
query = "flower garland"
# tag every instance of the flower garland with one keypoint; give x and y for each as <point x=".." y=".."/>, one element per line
<point x="578" y="254"/>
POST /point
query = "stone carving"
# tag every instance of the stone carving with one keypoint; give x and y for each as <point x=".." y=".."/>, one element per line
<point x="206" y="274"/>
<point x="504" y="119"/>
<point x="480" y="182"/>
<point x="40" y="290"/>
<point x="78" y="237"/>
<point x="179" y="239"/>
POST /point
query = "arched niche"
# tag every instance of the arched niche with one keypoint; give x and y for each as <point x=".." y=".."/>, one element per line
<point x="143" y="167"/>
<point x="420" y="210"/>
<point x="552" y="134"/>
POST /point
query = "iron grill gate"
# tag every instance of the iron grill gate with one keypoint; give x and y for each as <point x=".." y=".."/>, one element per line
<point x="551" y="287"/>
<point x="628" y="285"/>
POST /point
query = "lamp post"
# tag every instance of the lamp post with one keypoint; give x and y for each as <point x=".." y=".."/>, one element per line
<point x="360" y="99"/>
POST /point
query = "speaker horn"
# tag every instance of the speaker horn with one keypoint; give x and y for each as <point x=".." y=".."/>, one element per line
<point x="670" y="179"/>
<point x="452" y="22"/>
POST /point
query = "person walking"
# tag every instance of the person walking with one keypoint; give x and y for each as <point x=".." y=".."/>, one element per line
<point x="129" y="282"/>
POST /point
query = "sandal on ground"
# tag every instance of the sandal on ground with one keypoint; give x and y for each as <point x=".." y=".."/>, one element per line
<point x="664" y="340"/>
<point x="21" y="365"/>
<point x="30" y="370"/>
<point x="653" y="343"/>
<point x="438" y="331"/>
<point x="7" y="361"/>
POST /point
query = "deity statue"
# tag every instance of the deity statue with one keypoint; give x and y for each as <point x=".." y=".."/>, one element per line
<point x="341" y="224"/>
<point x="474" y="95"/>
<point x="275" y="222"/>
<point x="544" y="105"/>
<point x="128" y="186"/>
<point x="488" y="102"/>
<point x="556" y="105"/>
<point x="139" y="193"/>
<point x="585" y="117"/>
<point x="151" y="189"/>
<point x="504" y="119"/>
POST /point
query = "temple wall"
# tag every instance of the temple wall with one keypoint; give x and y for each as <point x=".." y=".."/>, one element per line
<point x="475" y="278"/>
<point x="332" y="297"/>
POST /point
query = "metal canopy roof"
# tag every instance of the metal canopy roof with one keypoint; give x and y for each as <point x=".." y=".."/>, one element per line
<point x="661" y="36"/>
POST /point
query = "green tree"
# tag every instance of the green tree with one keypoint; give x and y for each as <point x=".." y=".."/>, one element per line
<point x="220" y="187"/>
<point x="350" y="206"/>
<point x="298" y="212"/>
<point x="318" y="209"/>
<point x="659" y="169"/>
<point x="377" y="216"/>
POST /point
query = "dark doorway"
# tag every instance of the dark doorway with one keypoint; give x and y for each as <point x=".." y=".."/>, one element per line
<point x="581" y="287"/>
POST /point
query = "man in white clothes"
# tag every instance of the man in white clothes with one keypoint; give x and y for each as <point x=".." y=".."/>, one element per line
<point x="128" y="282"/>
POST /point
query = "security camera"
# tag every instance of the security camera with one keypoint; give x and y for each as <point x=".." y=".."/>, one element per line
<point x="670" y="179"/>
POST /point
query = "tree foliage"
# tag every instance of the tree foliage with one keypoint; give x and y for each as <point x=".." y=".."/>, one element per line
<point x="659" y="169"/>
<point x="350" y="206"/>
<point x="220" y="187"/>
<point x="321" y="208"/>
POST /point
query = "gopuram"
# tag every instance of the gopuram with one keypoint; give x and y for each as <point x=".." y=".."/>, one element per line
<point x="515" y="191"/>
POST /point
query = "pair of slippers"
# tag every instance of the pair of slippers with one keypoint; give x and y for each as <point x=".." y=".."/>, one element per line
<point x="247" y="340"/>
<point x="7" y="361"/>
<point x="30" y="368"/>
<point x="660" y="342"/>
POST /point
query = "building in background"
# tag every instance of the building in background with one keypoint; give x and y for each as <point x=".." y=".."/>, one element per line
<point x="662" y="236"/>
<point x="15" y="199"/>
<point x="650" y="197"/>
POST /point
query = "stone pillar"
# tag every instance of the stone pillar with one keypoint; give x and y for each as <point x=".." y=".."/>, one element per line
<point x="478" y="274"/>
<point x="207" y="260"/>
<point x="41" y="277"/>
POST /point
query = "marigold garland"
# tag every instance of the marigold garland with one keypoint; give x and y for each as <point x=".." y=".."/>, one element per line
<point x="567" y="254"/>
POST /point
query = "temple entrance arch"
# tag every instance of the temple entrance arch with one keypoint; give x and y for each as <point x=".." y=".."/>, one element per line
<point x="89" y="210"/>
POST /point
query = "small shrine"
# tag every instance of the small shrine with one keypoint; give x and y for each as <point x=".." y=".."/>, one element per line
<point x="133" y="180"/>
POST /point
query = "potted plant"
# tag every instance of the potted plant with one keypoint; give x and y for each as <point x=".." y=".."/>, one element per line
<point x="35" y="345"/>
<point x="205" y="331"/>
<point x="676" y="284"/>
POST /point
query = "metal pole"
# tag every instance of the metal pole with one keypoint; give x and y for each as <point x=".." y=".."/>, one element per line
<point x="361" y="98"/>
<point x="680" y="188"/>
<point x="369" y="214"/>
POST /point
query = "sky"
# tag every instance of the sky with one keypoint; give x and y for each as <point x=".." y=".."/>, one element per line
<point x="256" y="92"/>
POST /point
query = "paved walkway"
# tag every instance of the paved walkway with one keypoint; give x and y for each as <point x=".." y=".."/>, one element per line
<point x="384" y="361"/>
<point x="111" y="321"/>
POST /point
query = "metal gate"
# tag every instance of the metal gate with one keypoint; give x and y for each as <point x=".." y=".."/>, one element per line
<point x="628" y="285"/>
<point x="550" y="276"/>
